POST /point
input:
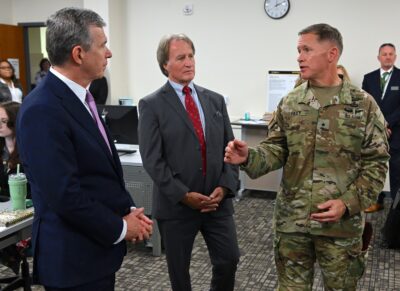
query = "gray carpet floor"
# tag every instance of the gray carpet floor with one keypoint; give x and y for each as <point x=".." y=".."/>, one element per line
<point x="256" y="271"/>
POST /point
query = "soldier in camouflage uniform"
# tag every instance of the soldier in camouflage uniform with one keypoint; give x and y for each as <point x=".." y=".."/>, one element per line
<point x="329" y="137"/>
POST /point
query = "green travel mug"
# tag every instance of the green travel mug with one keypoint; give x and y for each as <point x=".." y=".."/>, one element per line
<point x="17" y="184"/>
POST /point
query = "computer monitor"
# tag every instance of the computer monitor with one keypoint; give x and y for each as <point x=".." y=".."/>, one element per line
<point x="122" y="122"/>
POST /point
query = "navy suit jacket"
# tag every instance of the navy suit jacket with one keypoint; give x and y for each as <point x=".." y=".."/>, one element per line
<point x="77" y="188"/>
<point x="390" y="104"/>
<point x="170" y="152"/>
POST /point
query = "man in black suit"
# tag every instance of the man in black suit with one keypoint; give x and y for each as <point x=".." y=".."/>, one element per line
<point x="183" y="130"/>
<point x="384" y="85"/>
<point x="99" y="90"/>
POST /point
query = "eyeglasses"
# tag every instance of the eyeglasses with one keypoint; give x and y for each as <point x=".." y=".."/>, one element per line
<point x="5" y="68"/>
<point x="3" y="121"/>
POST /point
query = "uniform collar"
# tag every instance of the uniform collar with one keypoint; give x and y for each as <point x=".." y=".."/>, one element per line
<point x="304" y="95"/>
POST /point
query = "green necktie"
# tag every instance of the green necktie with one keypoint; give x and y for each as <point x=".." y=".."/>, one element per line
<point x="384" y="78"/>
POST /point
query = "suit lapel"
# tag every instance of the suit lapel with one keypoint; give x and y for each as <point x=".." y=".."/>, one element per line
<point x="378" y="82"/>
<point x="170" y="96"/>
<point x="77" y="110"/>
<point x="392" y="82"/>
<point x="206" y="106"/>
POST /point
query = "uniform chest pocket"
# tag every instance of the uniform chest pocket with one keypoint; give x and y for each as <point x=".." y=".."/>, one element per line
<point x="349" y="129"/>
<point x="299" y="128"/>
<point x="297" y="121"/>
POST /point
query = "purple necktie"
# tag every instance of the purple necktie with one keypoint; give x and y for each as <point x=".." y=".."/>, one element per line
<point x="95" y="115"/>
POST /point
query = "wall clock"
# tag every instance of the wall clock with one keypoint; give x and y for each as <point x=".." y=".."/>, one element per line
<point x="276" y="9"/>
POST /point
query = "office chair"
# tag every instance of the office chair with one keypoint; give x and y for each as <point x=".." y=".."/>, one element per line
<point x="22" y="279"/>
<point x="18" y="281"/>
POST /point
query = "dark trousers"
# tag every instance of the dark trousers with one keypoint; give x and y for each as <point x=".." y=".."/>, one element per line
<point x="103" y="284"/>
<point x="394" y="171"/>
<point x="394" y="174"/>
<point x="220" y="236"/>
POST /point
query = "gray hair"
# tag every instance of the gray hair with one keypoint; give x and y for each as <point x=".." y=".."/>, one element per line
<point x="163" y="49"/>
<point x="325" y="32"/>
<point x="387" y="44"/>
<point x="68" y="28"/>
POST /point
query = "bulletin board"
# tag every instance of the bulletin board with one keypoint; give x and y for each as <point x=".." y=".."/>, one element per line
<point x="279" y="83"/>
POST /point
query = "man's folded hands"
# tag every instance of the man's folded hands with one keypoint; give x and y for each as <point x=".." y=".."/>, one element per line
<point x="139" y="226"/>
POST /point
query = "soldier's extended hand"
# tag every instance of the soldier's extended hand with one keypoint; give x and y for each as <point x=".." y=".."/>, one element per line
<point x="332" y="210"/>
<point x="236" y="152"/>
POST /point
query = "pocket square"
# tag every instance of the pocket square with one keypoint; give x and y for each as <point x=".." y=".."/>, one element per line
<point x="394" y="88"/>
<point x="218" y="114"/>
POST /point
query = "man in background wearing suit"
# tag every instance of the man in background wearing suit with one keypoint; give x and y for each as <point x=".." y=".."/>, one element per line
<point x="83" y="213"/>
<point x="384" y="85"/>
<point x="183" y="130"/>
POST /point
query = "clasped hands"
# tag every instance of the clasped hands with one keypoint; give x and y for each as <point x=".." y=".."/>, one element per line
<point x="204" y="203"/>
<point x="139" y="226"/>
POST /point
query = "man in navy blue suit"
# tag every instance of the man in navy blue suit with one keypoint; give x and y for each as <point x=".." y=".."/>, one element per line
<point x="384" y="85"/>
<point x="83" y="212"/>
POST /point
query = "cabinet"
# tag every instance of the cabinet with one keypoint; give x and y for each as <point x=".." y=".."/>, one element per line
<point x="140" y="186"/>
<point x="253" y="132"/>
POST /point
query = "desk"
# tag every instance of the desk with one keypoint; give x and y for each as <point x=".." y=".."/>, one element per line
<point x="9" y="236"/>
<point x="14" y="233"/>
<point x="140" y="186"/>
<point x="252" y="133"/>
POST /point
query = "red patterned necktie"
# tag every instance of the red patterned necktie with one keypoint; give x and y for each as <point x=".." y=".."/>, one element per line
<point x="194" y="116"/>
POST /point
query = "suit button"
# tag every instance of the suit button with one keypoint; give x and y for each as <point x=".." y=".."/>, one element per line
<point x="200" y="169"/>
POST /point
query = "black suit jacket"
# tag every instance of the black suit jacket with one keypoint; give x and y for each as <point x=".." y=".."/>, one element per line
<point x="77" y="188"/>
<point x="99" y="90"/>
<point x="390" y="103"/>
<point x="5" y="93"/>
<point x="171" y="154"/>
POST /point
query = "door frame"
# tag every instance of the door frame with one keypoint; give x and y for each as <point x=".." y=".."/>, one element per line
<point x="26" y="26"/>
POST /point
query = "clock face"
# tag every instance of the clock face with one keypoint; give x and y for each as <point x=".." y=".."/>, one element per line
<point x="276" y="9"/>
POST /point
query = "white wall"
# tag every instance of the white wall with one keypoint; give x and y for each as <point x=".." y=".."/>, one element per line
<point x="39" y="10"/>
<point x="119" y="69"/>
<point x="6" y="11"/>
<point x="237" y="43"/>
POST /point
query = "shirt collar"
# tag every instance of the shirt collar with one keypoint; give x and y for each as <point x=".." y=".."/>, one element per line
<point x="389" y="71"/>
<point x="179" y="87"/>
<point x="78" y="90"/>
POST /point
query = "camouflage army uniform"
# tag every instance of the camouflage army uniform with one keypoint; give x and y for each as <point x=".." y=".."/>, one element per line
<point x="338" y="151"/>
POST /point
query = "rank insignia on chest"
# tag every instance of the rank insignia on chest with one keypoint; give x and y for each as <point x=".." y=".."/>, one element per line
<point x="323" y="124"/>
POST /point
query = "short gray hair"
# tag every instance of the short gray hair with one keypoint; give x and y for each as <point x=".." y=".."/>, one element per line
<point x="163" y="49"/>
<point x="67" y="28"/>
<point x="325" y="32"/>
<point x="387" y="44"/>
